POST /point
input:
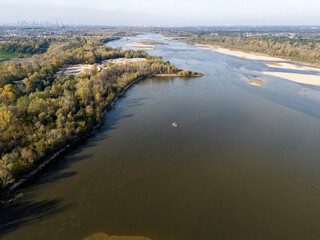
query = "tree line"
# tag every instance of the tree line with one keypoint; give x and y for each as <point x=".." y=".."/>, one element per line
<point x="304" y="47"/>
<point x="26" y="45"/>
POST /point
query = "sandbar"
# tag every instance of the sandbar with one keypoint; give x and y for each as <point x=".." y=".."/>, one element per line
<point x="296" y="77"/>
<point x="292" y="66"/>
<point x="254" y="56"/>
<point x="256" y="82"/>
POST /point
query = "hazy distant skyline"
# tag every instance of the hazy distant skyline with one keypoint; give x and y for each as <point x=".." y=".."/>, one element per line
<point x="164" y="12"/>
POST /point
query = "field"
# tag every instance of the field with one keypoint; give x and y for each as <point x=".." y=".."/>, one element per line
<point x="8" y="55"/>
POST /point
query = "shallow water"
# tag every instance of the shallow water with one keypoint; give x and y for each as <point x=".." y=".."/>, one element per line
<point x="243" y="164"/>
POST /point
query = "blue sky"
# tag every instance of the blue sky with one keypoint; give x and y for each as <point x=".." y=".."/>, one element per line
<point x="164" y="12"/>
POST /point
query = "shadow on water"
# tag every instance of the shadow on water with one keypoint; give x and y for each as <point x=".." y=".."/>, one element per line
<point x="134" y="104"/>
<point x="27" y="211"/>
<point x="56" y="177"/>
<point x="13" y="216"/>
<point x="109" y="125"/>
<point x="53" y="171"/>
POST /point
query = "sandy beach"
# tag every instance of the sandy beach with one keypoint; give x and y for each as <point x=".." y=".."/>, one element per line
<point x="277" y="63"/>
<point x="78" y="69"/>
<point x="254" y="56"/>
<point x="296" y="77"/>
<point x="256" y="82"/>
<point x="141" y="46"/>
<point x="124" y="60"/>
<point x="84" y="68"/>
<point x="291" y="66"/>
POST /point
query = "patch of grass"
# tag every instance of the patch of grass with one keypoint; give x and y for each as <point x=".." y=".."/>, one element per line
<point x="8" y="55"/>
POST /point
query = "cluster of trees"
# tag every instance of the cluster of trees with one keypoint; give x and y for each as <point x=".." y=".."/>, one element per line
<point x="44" y="112"/>
<point x="26" y="45"/>
<point x="10" y="72"/>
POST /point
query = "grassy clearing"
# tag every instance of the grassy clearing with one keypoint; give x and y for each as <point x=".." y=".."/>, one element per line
<point x="8" y="55"/>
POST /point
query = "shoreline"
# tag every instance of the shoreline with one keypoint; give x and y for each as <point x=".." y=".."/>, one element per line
<point x="253" y="55"/>
<point x="145" y="44"/>
<point x="141" y="46"/>
<point x="237" y="53"/>
<point x="177" y="75"/>
<point x="256" y="82"/>
<point x="275" y="65"/>
<point x="7" y="191"/>
<point x="313" y="80"/>
<point x="291" y="66"/>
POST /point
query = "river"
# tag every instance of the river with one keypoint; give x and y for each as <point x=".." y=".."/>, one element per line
<point x="244" y="162"/>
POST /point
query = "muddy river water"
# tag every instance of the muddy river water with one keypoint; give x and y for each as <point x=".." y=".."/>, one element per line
<point x="244" y="162"/>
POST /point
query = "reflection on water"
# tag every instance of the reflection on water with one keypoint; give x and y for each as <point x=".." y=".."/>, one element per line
<point x="243" y="163"/>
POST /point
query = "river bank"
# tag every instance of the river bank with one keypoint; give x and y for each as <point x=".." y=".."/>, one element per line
<point x="253" y="56"/>
<point x="141" y="46"/>
<point x="291" y="66"/>
<point x="5" y="194"/>
<point x="235" y="145"/>
<point x="278" y="67"/>
<point x="307" y="79"/>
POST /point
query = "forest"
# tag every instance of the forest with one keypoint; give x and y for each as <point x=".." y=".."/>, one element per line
<point x="40" y="112"/>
